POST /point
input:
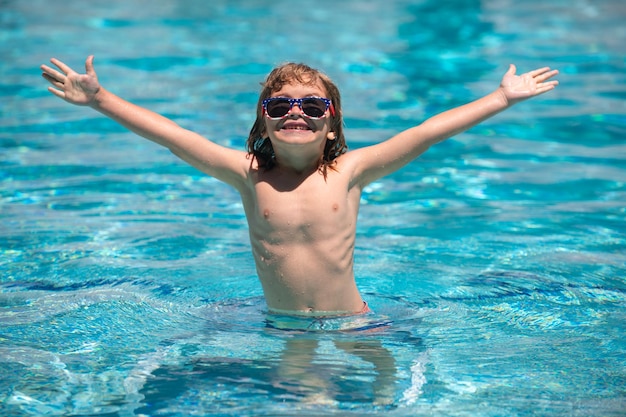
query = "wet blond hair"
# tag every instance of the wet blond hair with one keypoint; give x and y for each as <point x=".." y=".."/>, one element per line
<point x="258" y="143"/>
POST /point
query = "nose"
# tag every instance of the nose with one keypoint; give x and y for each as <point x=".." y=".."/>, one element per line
<point x="293" y="107"/>
<point x="292" y="111"/>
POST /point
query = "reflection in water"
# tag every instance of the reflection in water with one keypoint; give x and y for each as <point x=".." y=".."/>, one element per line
<point x="300" y="372"/>
<point x="330" y="369"/>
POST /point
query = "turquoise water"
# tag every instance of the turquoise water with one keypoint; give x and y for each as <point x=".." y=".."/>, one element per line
<point x="127" y="286"/>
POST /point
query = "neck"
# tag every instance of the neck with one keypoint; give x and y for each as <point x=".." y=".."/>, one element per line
<point x="298" y="167"/>
<point x="297" y="162"/>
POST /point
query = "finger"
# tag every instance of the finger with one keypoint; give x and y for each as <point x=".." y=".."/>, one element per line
<point x="547" y="75"/>
<point x="551" y="73"/>
<point x="89" y="65"/>
<point x="538" y="71"/>
<point x="551" y="84"/>
<point x="52" y="80"/>
<point x="52" y="73"/>
<point x="56" y="92"/>
<point x="545" y="87"/>
<point x="61" y="65"/>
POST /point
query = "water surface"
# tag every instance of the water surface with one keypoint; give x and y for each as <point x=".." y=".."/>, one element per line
<point x="127" y="285"/>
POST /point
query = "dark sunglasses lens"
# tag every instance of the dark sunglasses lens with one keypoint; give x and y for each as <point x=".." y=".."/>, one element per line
<point x="277" y="108"/>
<point x="313" y="107"/>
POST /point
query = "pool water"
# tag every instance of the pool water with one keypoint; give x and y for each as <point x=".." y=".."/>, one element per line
<point x="496" y="261"/>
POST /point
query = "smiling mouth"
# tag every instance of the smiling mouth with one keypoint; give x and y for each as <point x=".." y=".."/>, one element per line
<point x="295" y="126"/>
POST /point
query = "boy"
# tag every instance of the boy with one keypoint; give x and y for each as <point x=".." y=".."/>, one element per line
<point x="299" y="187"/>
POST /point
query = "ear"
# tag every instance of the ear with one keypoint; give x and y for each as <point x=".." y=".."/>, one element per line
<point x="331" y="136"/>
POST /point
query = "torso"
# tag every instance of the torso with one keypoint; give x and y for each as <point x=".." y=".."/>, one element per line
<point x="302" y="231"/>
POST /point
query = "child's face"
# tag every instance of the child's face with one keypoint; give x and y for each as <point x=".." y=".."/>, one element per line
<point x="296" y="127"/>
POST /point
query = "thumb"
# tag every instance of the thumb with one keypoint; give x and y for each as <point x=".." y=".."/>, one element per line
<point x="89" y="65"/>
<point x="511" y="70"/>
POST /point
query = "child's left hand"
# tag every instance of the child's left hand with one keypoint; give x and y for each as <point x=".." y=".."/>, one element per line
<point x="520" y="87"/>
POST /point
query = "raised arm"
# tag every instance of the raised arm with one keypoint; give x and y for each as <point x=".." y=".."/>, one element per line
<point x="84" y="89"/>
<point x="386" y="157"/>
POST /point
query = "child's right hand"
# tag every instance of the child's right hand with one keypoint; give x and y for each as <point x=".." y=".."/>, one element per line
<point x="75" y="88"/>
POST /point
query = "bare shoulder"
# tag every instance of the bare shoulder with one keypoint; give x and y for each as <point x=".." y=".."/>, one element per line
<point x="351" y="160"/>
<point x="358" y="164"/>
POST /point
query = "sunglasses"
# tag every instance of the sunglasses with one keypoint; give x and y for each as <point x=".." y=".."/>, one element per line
<point x="311" y="107"/>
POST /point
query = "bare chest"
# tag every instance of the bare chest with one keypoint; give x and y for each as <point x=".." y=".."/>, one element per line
<point x="308" y="209"/>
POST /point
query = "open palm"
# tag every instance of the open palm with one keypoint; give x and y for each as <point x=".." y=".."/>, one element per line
<point x="520" y="87"/>
<point x="71" y="86"/>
